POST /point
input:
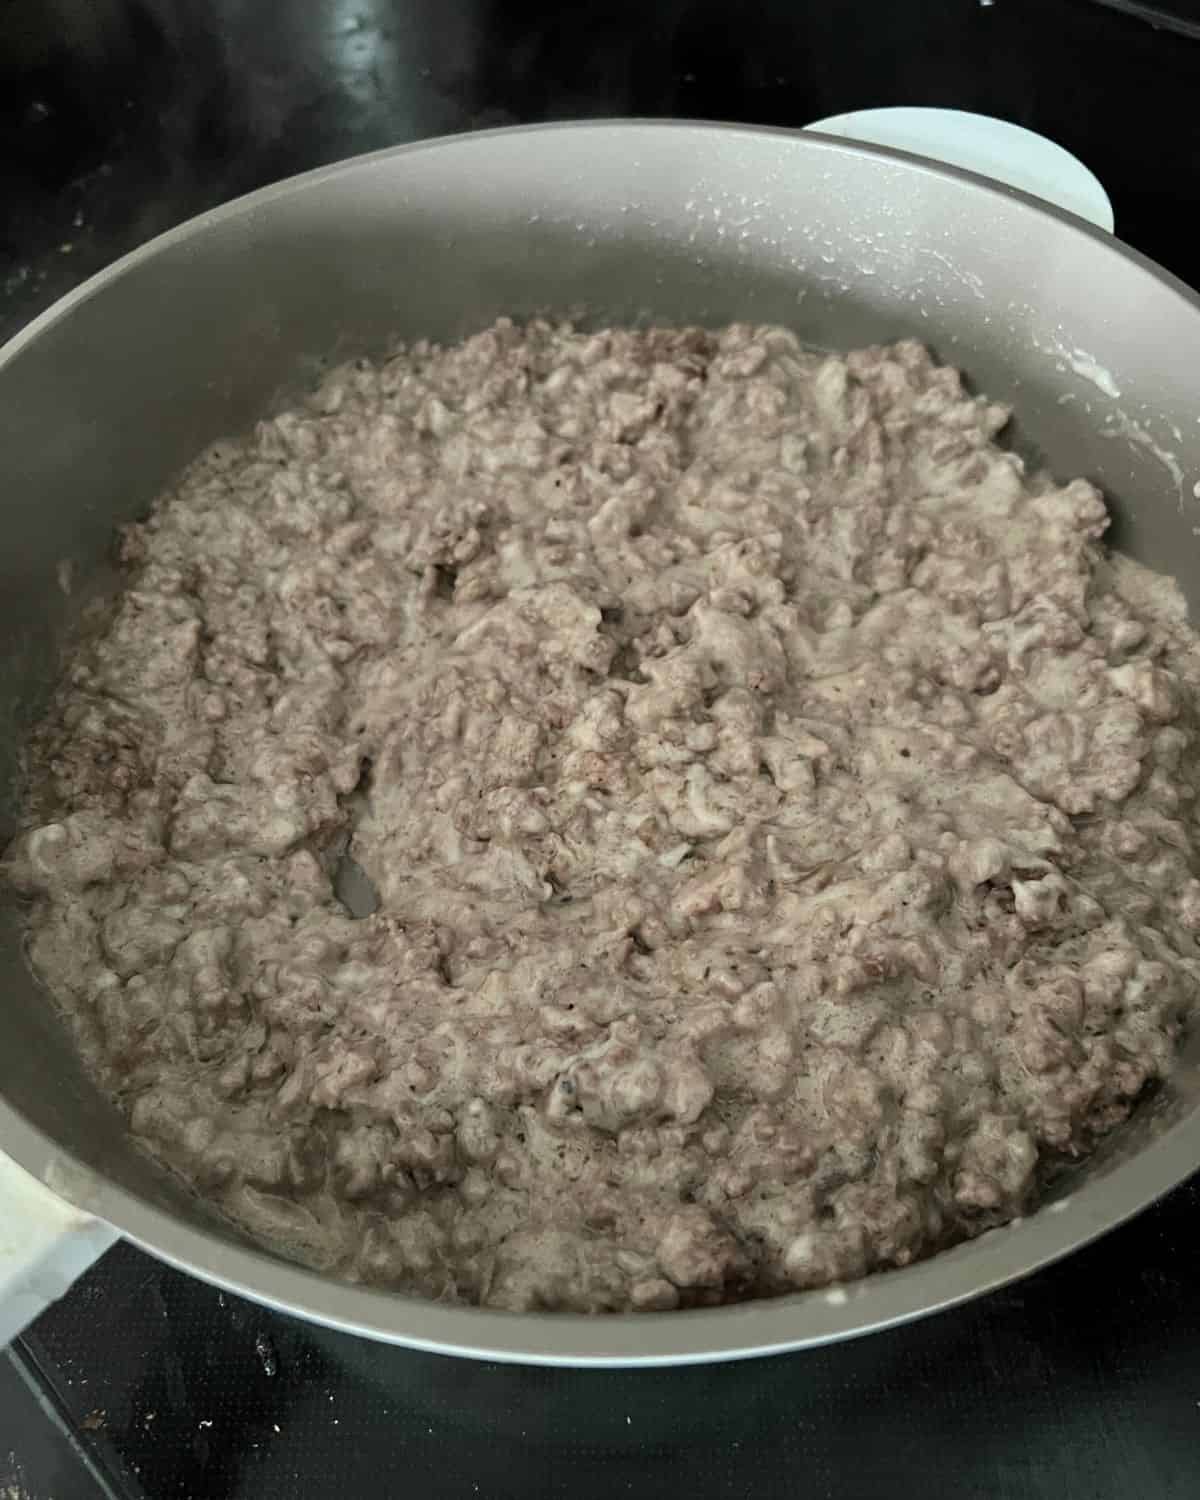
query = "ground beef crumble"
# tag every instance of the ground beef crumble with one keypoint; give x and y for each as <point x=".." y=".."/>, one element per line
<point x="775" y="812"/>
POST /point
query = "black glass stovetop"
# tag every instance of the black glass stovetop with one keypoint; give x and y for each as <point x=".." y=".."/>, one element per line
<point x="119" y="118"/>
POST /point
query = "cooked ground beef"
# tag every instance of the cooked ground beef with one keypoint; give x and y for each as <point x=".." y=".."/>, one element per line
<point x="766" y="810"/>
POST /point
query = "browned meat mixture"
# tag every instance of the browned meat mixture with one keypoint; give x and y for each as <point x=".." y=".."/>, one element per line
<point x="775" y="809"/>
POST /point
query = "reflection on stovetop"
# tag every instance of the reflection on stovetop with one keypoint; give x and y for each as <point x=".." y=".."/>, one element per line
<point x="119" y="118"/>
<point x="1178" y="16"/>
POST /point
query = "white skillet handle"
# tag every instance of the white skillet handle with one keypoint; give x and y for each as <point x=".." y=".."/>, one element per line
<point x="45" y="1245"/>
<point x="994" y="148"/>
